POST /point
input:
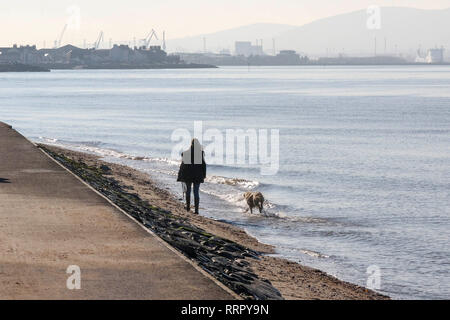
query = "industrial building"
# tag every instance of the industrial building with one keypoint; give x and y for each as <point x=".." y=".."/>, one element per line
<point x="246" y="49"/>
<point x="284" y="58"/>
<point x="22" y="54"/>
<point x="435" y="56"/>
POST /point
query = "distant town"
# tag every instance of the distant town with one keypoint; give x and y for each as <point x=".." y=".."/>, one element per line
<point x="71" y="57"/>
<point x="247" y="53"/>
<point x="154" y="56"/>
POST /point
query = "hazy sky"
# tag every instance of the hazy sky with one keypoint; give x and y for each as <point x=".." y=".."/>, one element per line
<point x="36" y="21"/>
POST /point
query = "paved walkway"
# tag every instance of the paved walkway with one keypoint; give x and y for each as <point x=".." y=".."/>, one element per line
<point x="50" y="220"/>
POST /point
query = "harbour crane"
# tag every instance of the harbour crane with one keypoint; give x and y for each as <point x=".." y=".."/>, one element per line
<point x="58" y="42"/>
<point x="149" y="38"/>
<point x="164" y="41"/>
<point x="99" y="40"/>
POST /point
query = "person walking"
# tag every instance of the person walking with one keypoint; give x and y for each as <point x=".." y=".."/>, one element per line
<point x="193" y="172"/>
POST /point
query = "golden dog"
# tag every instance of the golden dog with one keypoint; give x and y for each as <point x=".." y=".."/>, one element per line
<point x="254" y="200"/>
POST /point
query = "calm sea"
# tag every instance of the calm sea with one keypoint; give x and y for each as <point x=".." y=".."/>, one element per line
<point x="364" y="170"/>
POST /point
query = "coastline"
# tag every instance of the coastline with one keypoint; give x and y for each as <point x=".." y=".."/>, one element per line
<point x="249" y="261"/>
<point x="19" y="67"/>
<point x="71" y="66"/>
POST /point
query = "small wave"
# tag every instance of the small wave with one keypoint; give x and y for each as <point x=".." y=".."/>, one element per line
<point x="313" y="253"/>
<point x="164" y="160"/>
<point x="172" y="173"/>
<point x="313" y="220"/>
<point x="48" y="140"/>
<point x="246" y="184"/>
<point x="234" y="198"/>
<point x="109" y="153"/>
<point x="93" y="148"/>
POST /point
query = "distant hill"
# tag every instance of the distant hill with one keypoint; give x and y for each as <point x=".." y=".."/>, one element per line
<point x="405" y="28"/>
<point x="402" y="30"/>
<point x="225" y="39"/>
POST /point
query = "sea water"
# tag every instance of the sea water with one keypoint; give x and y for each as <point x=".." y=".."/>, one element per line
<point x="364" y="170"/>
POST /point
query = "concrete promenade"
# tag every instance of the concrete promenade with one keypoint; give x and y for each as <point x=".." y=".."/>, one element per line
<point x="50" y="220"/>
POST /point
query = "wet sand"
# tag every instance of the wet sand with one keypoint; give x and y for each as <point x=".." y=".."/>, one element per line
<point x="294" y="281"/>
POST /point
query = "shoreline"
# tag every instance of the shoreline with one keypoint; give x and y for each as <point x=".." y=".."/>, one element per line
<point x="20" y="67"/>
<point x="168" y="66"/>
<point x="262" y="275"/>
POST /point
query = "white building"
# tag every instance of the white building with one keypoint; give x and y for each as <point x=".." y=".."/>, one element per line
<point x="245" y="48"/>
<point x="435" y="56"/>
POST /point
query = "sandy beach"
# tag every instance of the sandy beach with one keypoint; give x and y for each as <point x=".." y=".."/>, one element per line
<point x="292" y="280"/>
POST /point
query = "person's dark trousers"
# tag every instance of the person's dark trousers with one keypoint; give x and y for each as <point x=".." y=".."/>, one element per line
<point x="196" y="196"/>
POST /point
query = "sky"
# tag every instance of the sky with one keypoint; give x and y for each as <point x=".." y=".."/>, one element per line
<point x="42" y="21"/>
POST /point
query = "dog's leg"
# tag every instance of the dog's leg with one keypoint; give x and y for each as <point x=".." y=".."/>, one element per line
<point x="251" y="210"/>
<point x="260" y="208"/>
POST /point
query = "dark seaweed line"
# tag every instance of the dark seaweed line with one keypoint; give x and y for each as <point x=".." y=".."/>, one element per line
<point x="223" y="259"/>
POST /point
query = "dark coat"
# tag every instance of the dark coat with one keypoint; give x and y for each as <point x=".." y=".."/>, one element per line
<point x="192" y="173"/>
